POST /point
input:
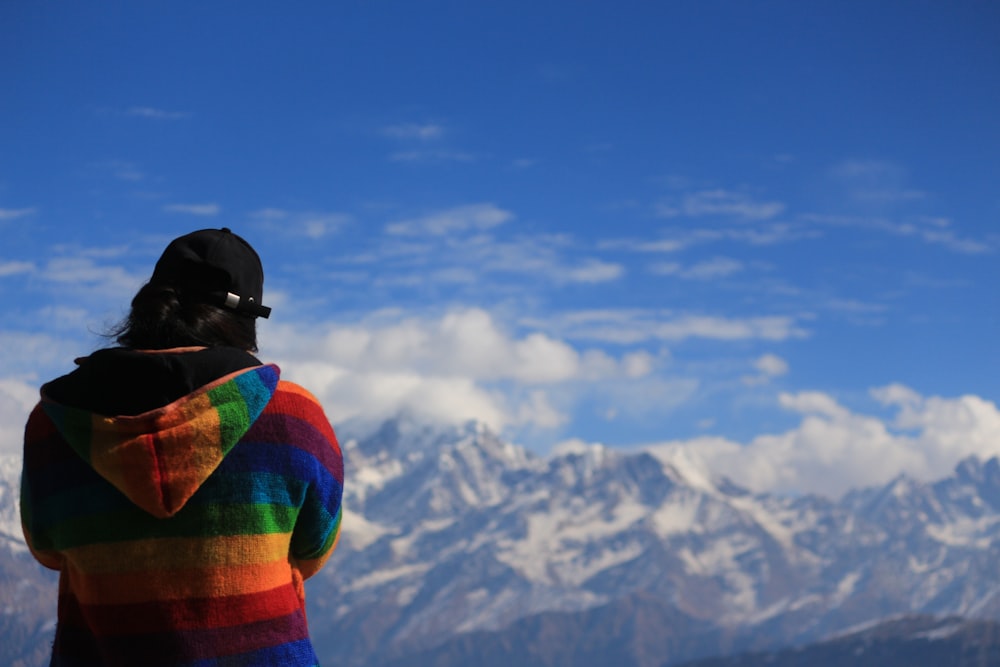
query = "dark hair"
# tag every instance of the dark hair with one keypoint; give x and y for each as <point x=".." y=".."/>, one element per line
<point x="162" y="318"/>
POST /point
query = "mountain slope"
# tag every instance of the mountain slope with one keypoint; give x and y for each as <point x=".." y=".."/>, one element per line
<point x="455" y="541"/>
<point x="27" y="590"/>
<point x="902" y="642"/>
<point x="450" y="534"/>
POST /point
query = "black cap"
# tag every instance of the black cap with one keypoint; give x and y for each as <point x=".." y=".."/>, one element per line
<point x="217" y="266"/>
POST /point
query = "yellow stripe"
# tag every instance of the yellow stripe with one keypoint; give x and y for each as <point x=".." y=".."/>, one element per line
<point x="178" y="553"/>
<point x="149" y="586"/>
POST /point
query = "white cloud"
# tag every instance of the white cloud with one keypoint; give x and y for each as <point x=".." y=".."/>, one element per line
<point x="459" y="366"/>
<point x="772" y="328"/>
<point x="874" y="182"/>
<point x="946" y="429"/>
<point x="24" y="356"/>
<point x="833" y="449"/>
<point x="931" y="230"/>
<point x="760" y="234"/>
<point x="15" y="213"/>
<point x="313" y="225"/>
<point x="768" y="367"/>
<point x="419" y="131"/>
<point x="662" y="245"/>
<point x="14" y="267"/>
<point x="194" y="209"/>
<point x="720" y="203"/>
<point x="83" y="273"/>
<point x="592" y="271"/>
<point x="718" y="267"/>
<point x="16" y="401"/>
<point x="626" y="326"/>
<point x="537" y="411"/>
<point x="473" y="217"/>
<point x="638" y="364"/>
<point x="653" y="395"/>
<point x="122" y="170"/>
<point x="157" y="114"/>
<point x="771" y="365"/>
<point x="951" y="241"/>
<point x="436" y="155"/>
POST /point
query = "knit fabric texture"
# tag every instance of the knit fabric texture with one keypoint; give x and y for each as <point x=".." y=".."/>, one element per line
<point x="183" y="535"/>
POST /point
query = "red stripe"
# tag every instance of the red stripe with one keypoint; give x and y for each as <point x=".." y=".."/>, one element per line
<point x="192" y="645"/>
<point x="292" y="400"/>
<point x="107" y="620"/>
<point x="43" y="444"/>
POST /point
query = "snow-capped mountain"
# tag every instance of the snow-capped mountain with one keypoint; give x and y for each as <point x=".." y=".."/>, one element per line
<point x="454" y="539"/>
<point x="452" y="533"/>
<point x="27" y="590"/>
<point x="908" y="641"/>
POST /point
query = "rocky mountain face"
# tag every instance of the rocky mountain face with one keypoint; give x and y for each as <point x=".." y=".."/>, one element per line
<point x="27" y="590"/>
<point x="900" y="642"/>
<point x="456" y="541"/>
<point x="460" y="547"/>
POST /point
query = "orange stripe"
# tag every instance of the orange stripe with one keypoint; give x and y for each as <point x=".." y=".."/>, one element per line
<point x="124" y="463"/>
<point x="208" y="582"/>
<point x="110" y="620"/>
<point x="184" y="450"/>
<point x="178" y="553"/>
<point x="292" y="388"/>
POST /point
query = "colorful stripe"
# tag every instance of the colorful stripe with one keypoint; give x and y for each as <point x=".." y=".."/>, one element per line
<point x="183" y="535"/>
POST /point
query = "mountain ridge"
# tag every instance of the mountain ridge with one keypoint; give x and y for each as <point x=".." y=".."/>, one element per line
<point x="453" y="537"/>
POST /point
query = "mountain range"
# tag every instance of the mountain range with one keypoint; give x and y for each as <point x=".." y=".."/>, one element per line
<point x="457" y="546"/>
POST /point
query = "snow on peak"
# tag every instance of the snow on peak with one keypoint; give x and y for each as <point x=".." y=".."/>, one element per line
<point x="687" y="466"/>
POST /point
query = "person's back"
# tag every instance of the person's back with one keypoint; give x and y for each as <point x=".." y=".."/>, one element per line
<point x="184" y="493"/>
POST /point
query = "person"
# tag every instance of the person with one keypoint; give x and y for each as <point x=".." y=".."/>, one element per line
<point x="183" y="491"/>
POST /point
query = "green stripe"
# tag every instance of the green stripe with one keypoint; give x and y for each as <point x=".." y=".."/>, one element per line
<point x="205" y="521"/>
<point x="234" y="418"/>
<point x="256" y="393"/>
<point x="76" y="426"/>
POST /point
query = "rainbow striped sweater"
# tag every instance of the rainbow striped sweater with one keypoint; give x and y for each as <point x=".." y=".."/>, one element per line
<point x="183" y="535"/>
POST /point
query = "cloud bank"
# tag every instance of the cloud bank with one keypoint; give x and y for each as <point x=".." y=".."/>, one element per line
<point x="465" y="364"/>
<point x="833" y="449"/>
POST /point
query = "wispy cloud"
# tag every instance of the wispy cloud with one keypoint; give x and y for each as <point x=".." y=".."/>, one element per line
<point x="463" y="364"/>
<point x="16" y="213"/>
<point x="932" y="230"/>
<point x="630" y="326"/>
<point x="856" y="311"/>
<point x="122" y="170"/>
<point x="835" y="449"/>
<point x="675" y="240"/>
<point x="313" y="225"/>
<point x="205" y="210"/>
<point x="712" y="269"/>
<point x="591" y="271"/>
<point x="15" y="267"/>
<point x="874" y="182"/>
<point x="767" y="367"/>
<point x="84" y="273"/>
<point x="157" y="114"/>
<point x="417" y="131"/>
<point x="474" y="217"/>
<point x="17" y="397"/>
<point x="720" y="203"/>
<point x="432" y="155"/>
<point x="552" y="258"/>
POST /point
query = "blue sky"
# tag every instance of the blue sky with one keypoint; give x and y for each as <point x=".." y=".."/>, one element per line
<point x="760" y="232"/>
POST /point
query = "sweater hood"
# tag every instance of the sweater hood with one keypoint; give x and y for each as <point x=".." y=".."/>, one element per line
<point x="161" y="457"/>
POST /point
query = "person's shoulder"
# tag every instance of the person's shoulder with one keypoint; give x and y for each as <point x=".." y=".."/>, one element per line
<point x="293" y="399"/>
<point x="295" y="402"/>
<point x="295" y="392"/>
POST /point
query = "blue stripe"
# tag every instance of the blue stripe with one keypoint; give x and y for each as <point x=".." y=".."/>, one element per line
<point x="292" y="654"/>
